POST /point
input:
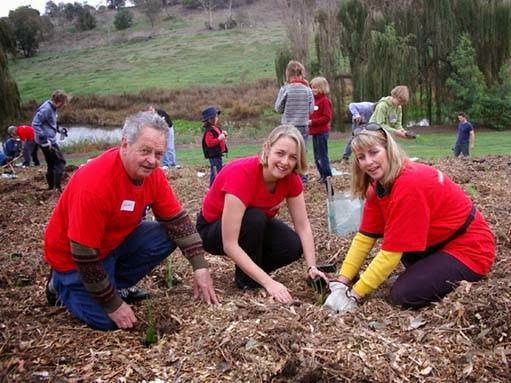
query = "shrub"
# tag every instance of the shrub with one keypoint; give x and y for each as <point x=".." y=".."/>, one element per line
<point x="230" y="23"/>
<point x="123" y="19"/>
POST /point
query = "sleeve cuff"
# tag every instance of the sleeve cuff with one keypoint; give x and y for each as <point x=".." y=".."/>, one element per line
<point x="113" y="304"/>
<point x="198" y="262"/>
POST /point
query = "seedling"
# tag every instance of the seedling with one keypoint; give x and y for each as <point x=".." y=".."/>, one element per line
<point x="169" y="278"/>
<point x="151" y="336"/>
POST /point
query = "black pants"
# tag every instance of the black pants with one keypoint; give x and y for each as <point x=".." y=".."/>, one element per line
<point x="429" y="278"/>
<point x="56" y="163"/>
<point x="269" y="242"/>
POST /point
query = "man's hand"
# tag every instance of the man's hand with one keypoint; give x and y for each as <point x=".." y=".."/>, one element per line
<point x="124" y="317"/>
<point x="278" y="291"/>
<point x="340" y="299"/>
<point x="203" y="286"/>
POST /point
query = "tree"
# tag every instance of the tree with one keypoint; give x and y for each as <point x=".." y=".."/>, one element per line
<point x="151" y="8"/>
<point x="85" y="20"/>
<point x="28" y="29"/>
<point x="51" y="9"/>
<point x="298" y="19"/>
<point x="466" y="81"/>
<point x="115" y="4"/>
<point x="10" y="100"/>
<point x="329" y="54"/>
<point x="123" y="19"/>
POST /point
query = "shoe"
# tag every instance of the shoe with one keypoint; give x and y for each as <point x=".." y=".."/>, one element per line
<point x="51" y="294"/>
<point x="133" y="294"/>
<point x="345" y="160"/>
<point x="164" y="168"/>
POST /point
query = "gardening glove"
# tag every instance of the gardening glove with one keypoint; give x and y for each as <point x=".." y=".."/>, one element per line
<point x="340" y="299"/>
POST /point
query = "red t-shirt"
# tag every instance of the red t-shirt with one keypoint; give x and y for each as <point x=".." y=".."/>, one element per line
<point x="25" y="132"/>
<point x="322" y="115"/>
<point x="244" y="179"/>
<point x="424" y="208"/>
<point x="100" y="207"/>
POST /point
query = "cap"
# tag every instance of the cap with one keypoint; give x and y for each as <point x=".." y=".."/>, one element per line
<point x="210" y="112"/>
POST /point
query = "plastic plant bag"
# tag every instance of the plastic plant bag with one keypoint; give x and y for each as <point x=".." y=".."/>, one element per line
<point x="343" y="212"/>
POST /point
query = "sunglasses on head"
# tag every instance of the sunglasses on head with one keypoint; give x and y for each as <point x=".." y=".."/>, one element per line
<point x="371" y="127"/>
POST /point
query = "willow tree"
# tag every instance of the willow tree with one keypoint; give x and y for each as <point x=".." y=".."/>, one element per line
<point x="353" y="20"/>
<point x="329" y="55"/>
<point x="10" y="100"/>
<point x="488" y="23"/>
<point x="392" y="60"/>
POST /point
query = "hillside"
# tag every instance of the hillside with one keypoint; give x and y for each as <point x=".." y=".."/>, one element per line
<point x="177" y="53"/>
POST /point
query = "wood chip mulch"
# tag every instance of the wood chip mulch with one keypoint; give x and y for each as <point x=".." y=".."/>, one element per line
<point x="249" y="337"/>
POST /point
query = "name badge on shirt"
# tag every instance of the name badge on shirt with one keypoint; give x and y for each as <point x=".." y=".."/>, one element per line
<point x="128" y="205"/>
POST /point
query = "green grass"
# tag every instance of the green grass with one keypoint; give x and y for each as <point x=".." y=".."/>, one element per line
<point x="427" y="146"/>
<point x="169" y="62"/>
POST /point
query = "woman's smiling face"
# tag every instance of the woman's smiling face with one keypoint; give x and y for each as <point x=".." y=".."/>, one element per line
<point x="282" y="159"/>
<point x="373" y="161"/>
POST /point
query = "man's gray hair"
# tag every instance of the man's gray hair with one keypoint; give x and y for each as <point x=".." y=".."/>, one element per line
<point x="135" y="123"/>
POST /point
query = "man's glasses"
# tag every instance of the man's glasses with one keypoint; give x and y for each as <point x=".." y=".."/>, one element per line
<point x="371" y="127"/>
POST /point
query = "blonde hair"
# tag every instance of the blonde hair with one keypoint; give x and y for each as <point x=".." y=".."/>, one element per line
<point x="293" y="133"/>
<point x="396" y="157"/>
<point x="401" y="93"/>
<point x="295" y="69"/>
<point x="321" y="85"/>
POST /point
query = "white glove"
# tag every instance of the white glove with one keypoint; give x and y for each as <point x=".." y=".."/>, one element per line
<point x="340" y="299"/>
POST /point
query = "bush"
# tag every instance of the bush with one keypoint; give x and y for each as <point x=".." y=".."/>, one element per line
<point x="123" y="19"/>
<point x="284" y="55"/>
<point x="86" y="21"/>
<point x="230" y="23"/>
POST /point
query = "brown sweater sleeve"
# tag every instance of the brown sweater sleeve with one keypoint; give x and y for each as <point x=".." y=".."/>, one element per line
<point x="94" y="277"/>
<point x="181" y="230"/>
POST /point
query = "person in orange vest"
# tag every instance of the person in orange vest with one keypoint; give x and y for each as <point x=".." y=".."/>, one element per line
<point x="27" y="136"/>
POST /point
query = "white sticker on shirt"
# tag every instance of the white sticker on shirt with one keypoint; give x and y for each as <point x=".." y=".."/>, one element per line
<point x="128" y="205"/>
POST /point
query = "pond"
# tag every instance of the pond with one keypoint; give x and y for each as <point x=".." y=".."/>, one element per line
<point x="84" y="133"/>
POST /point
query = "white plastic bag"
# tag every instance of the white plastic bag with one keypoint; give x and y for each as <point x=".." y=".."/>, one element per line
<point x="343" y="212"/>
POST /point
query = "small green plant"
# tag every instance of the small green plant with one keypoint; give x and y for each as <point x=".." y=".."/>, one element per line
<point x="169" y="278"/>
<point x="320" y="291"/>
<point x="151" y="336"/>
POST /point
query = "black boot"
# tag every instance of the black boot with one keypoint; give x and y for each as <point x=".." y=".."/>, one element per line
<point x="50" y="180"/>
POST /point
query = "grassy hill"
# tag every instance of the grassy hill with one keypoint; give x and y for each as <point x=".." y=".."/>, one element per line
<point x="178" y="53"/>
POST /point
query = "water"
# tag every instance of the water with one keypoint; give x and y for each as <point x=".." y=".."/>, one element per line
<point x="81" y="133"/>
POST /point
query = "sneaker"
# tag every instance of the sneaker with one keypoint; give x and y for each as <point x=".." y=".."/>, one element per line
<point x="51" y="294"/>
<point x="133" y="294"/>
<point x="164" y="168"/>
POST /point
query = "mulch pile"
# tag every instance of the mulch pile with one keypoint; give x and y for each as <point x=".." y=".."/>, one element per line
<point x="249" y="337"/>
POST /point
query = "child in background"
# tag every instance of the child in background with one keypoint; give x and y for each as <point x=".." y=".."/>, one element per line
<point x="295" y="100"/>
<point x="213" y="141"/>
<point x="319" y="126"/>
<point x="465" y="139"/>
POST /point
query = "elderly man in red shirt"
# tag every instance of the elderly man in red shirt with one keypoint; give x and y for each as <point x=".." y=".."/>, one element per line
<point x="27" y="136"/>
